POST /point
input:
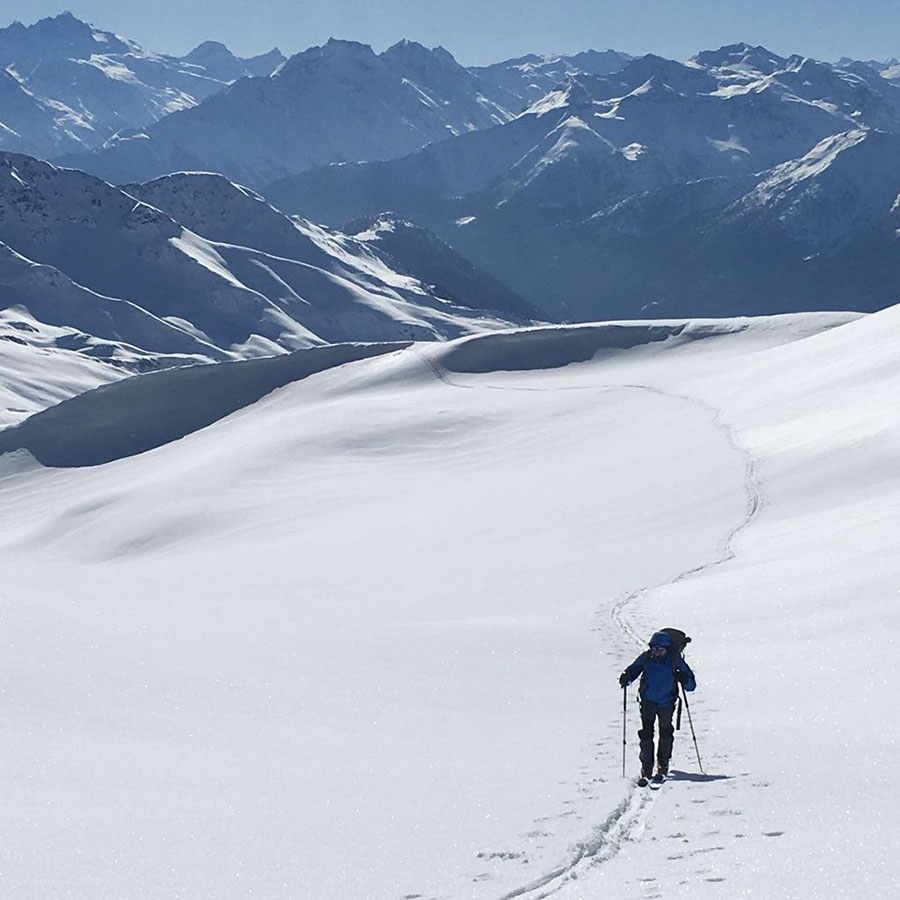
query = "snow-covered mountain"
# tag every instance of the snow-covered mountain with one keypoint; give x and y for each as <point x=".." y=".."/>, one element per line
<point x="518" y="83"/>
<point x="68" y="86"/>
<point x="335" y="103"/>
<point x="416" y="250"/>
<point x="819" y="232"/>
<point x="214" y="60"/>
<point x="845" y="183"/>
<point x="529" y="200"/>
<point x="194" y="268"/>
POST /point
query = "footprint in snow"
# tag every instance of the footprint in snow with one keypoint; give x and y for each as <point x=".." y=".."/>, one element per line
<point x="704" y="850"/>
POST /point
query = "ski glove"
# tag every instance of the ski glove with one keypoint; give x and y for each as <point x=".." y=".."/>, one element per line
<point x="623" y="680"/>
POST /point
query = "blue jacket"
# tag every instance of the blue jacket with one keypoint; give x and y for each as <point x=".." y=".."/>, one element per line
<point x="658" y="684"/>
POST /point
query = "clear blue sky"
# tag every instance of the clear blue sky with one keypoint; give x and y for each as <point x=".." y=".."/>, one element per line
<point x="482" y="31"/>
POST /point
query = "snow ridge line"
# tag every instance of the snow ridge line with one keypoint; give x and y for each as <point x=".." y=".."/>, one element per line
<point x="627" y="821"/>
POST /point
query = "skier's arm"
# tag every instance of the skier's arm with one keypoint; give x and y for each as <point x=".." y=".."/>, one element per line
<point x="633" y="670"/>
<point x="684" y="674"/>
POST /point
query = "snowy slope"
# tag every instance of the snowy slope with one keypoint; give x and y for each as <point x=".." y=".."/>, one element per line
<point x="414" y="249"/>
<point x="847" y="182"/>
<point x="84" y="84"/>
<point x="43" y="364"/>
<point x="390" y="601"/>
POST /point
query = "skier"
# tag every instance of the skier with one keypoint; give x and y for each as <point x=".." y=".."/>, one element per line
<point x="661" y="668"/>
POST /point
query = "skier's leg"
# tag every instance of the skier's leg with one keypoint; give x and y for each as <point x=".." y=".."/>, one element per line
<point x="648" y="721"/>
<point x="666" y="737"/>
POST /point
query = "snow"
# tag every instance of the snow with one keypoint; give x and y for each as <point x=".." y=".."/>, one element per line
<point x="360" y="637"/>
<point x="111" y="68"/>
<point x="812" y="164"/>
<point x="733" y="145"/>
<point x="554" y="100"/>
<point x="37" y="368"/>
<point x="203" y="253"/>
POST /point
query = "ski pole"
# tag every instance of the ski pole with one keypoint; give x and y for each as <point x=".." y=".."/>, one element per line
<point x="624" y="733"/>
<point x="691" y="723"/>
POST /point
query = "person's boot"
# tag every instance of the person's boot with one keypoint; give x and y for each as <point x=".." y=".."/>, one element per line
<point x="662" y="770"/>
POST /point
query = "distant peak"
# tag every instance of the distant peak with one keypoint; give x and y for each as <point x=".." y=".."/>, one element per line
<point x="340" y="45"/>
<point x="577" y="92"/>
<point x="63" y="20"/>
<point x="407" y="49"/>
<point x="208" y="50"/>
<point x="213" y="183"/>
<point x="335" y="53"/>
<point x="207" y="46"/>
<point x="742" y="55"/>
<point x="655" y="88"/>
<point x="62" y="35"/>
<point x="405" y="43"/>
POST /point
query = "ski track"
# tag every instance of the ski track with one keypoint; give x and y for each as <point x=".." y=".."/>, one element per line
<point x="627" y="822"/>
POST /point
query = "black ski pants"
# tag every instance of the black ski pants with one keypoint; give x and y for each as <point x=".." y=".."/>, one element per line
<point x="649" y="714"/>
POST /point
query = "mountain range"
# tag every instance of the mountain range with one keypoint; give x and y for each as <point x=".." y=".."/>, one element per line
<point x="337" y="103"/>
<point x="192" y="268"/>
<point x="644" y="192"/>
<point x="66" y="86"/>
<point x="586" y="187"/>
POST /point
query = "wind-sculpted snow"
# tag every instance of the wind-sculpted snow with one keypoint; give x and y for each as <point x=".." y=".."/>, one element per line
<point x="125" y="418"/>
<point x="136" y="415"/>
<point x="552" y="348"/>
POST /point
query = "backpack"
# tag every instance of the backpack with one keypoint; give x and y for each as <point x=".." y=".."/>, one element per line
<point x="679" y="641"/>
